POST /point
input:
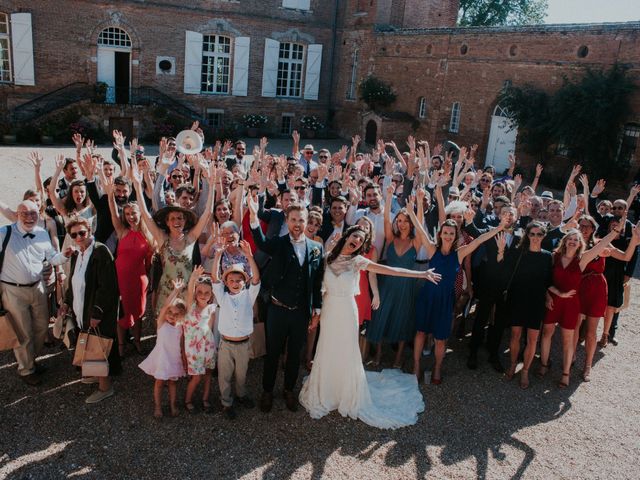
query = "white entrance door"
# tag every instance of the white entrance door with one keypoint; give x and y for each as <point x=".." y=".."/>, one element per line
<point x="107" y="71"/>
<point x="502" y="140"/>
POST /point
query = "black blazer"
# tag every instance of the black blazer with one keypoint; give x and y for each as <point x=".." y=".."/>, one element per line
<point x="282" y="254"/>
<point x="327" y="227"/>
<point x="101" y="294"/>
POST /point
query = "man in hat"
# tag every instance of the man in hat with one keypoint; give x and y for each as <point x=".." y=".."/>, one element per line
<point x="292" y="280"/>
<point x="306" y="159"/>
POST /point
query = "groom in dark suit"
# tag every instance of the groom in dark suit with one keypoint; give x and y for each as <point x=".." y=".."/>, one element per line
<point x="292" y="279"/>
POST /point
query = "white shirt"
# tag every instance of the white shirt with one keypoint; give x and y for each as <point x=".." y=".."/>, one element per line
<point x="77" y="282"/>
<point x="235" y="316"/>
<point x="24" y="256"/>
<point x="300" y="248"/>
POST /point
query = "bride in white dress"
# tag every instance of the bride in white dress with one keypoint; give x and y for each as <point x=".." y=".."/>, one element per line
<point x="338" y="381"/>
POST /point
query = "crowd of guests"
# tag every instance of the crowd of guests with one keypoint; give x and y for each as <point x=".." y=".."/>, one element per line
<point x="184" y="239"/>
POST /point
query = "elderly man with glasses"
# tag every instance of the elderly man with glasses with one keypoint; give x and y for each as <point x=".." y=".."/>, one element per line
<point x="25" y="248"/>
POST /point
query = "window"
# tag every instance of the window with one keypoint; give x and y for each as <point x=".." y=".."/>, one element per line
<point x="286" y="124"/>
<point x="290" y="60"/>
<point x="351" y="87"/>
<point x="216" y="58"/>
<point x="297" y="4"/>
<point x="628" y="144"/>
<point x="215" y="117"/>
<point x="422" y="108"/>
<point x="5" y="58"/>
<point x="114" y="37"/>
<point x="454" y="124"/>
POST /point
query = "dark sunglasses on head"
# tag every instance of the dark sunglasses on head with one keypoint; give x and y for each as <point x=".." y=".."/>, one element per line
<point x="81" y="234"/>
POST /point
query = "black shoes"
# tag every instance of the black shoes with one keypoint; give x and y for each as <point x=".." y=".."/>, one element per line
<point x="290" y="401"/>
<point x="32" y="379"/>
<point x="229" y="412"/>
<point x="266" y="402"/>
<point x="246" y="402"/>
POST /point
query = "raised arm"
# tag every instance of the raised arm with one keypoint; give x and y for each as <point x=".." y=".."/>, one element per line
<point x="158" y="234"/>
<point x="388" y="228"/>
<point x="536" y="179"/>
<point x="195" y="232"/>
<point x="599" y="247"/>
<point x="473" y="245"/>
<point x="442" y="216"/>
<point x="53" y="194"/>
<point x="178" y="285"/>
<point x="36" y="160"/>
<point x="379" y="269"/>
<point x="197" y="272"/>
<point x="420" y="231"/>
<point x="255" y="272"/>
<point x="107" y="186"/>
<point x="631" y="248"/>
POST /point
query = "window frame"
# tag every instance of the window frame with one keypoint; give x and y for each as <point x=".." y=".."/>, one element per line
<point x="123" y="40"/>
<point x="288" y="78"/>
<point x="290" y="116"/>
<point x="627" y="147"/>
<point x="351" y="85"/>
<point x="454" y="121"/>
<point x="422" y="108"/>
<point x="210" y="64"/>
<point x="6" y="37"/>
<point x="215" y="111"/>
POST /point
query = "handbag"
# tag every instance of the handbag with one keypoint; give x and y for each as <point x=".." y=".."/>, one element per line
<point x="258" y="341"/>
<point x="64" y="328"/>
<point x="92" y="347"/>
<point x="505" y="292"/>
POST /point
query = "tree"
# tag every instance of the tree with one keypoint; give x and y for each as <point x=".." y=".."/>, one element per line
<point x="585" y="115"/>
<point x="491" y="13"/>
<point x="376" y="93"/>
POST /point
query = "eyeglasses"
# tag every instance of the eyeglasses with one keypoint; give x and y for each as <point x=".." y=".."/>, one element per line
<point x="485" y="180"/>
<point x="308" y="152"/>
<point x="536" y="234"/>
<point x="176" y="177"/>
<point x="81" y="234"/>
<point x="323" y="156"/>
<point x="28" y="214"/>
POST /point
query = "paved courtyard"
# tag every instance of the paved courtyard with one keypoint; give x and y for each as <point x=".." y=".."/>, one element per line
<point x="475" y="424"/>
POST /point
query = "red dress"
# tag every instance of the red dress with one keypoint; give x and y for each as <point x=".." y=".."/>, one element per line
<point x="132" y="259"/>
<point x="363" y="299"/>
<point x="593" y="289"/>
<point x="566" y="311"/>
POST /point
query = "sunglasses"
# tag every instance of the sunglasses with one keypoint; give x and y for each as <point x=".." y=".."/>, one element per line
<point x="307" y="152"/>
<point x="301" y="187"/>
<point x="323" y="156"/>
<point x="536" y="234"/>
<point x="176" y="177"/>
<point x="617" y="207"/>
<point x="81" y="234"/>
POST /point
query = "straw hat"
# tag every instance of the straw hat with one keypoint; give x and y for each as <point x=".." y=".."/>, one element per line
<point x="235" y="268"/>
<point x="160" y="217"/>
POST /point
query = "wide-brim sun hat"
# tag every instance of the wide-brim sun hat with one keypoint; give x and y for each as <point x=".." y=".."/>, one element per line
<point x="235" y="268"/>
<point x="307" y="148"/>
<point x="160" y="217"/>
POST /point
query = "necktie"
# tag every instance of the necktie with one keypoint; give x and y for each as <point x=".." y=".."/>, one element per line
<point x="28" y="235"/>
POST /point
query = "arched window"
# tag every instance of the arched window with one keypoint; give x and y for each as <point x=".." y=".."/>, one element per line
<point x="290" y="61"/>
<point x="454" y="123"/>
<point x="422" y="108"/>
<point x="5" y="57"/>
<point x="216" y="61"/>
<point x="114" y="37"/>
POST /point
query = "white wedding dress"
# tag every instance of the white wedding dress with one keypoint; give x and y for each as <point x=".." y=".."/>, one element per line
<point x="338" y="381"/>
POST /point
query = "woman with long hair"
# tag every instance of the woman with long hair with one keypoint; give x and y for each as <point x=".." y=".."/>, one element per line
<point x="563" y="302"/>
<point x="389" y="399"/>
<point x="434" y="309"/>
<point x="133" y="261"/>
<point x="368" y="297"/>
<point x="528" y="275"/>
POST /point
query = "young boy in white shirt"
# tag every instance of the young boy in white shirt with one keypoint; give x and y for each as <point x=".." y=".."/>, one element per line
<point x="235" y="324"/>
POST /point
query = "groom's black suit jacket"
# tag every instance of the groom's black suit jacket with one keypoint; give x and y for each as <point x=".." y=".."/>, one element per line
<point x="275" y="278"/>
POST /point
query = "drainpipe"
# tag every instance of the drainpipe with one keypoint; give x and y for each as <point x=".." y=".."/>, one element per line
<point x="334" y="27"/>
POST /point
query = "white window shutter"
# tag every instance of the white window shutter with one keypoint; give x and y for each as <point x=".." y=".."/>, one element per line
<point x="192" y="62"/>
<point x="304" y="4"/>
<point x="290" y="3"/>
<point x="312" y="76"/>
<point x="298" y="4"/>
<point x="22" y="40"/>
<point x="241" y="66"/>
<point x="270" y="67"/>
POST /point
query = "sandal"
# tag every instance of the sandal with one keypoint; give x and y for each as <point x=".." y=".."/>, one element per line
<point x="510" y="373"/>
<point x="562" y="383"/>
<point x="174" y="412"/>
<point x="604" y="340"/>
<point x="524" y="379"/>
<point x="586" y="374"/>
<point x="436" y="381"/>
<point x="189" y="406"/>
<point x="543" y="370"/>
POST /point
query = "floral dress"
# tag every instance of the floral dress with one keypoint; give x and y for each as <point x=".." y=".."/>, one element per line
<point x="199" y="345"/>
<point x="175" y="264"/>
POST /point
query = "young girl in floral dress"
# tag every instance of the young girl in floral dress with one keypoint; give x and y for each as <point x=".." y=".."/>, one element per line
<point x="199" y="345"/>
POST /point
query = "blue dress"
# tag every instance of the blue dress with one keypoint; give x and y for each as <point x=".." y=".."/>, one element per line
<point x="394" y="321"/>
<point x="434" y="308"/>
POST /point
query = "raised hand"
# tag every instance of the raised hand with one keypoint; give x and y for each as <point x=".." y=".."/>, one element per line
<point x="432" y="276"/>
<point x="252" y="203"/>
<point x="246" y="248"/>
<point x="178" y="284"/>
<point x="539" y="169"/>
<point x="501" y="241"/>
<point x="599" y="187"/>
<point x="296" y="137"/>
<point x="584" y="180"/>
<point x="59" y="163"/>
<point x="517" y="181"/>
<point x="36" y="159"/>
<point x="107" y="184"/>
<point x="78" y="141"/>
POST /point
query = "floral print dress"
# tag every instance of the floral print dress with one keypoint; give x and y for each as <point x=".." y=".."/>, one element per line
<point x="175" y="264"/>
<point x="199" y="345"/>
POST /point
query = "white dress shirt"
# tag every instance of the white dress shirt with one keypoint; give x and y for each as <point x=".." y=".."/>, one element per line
<point x="300" y="248"/>
<point x="235" y="316"/>
<point x="24" y="256"/>
<point x="78" y="284"/>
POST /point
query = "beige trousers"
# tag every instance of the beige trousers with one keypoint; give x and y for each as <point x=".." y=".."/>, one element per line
<point x="233" y="360"/>
<point x="28" y="306"/>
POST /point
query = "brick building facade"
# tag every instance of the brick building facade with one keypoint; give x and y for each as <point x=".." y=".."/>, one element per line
<point x="220" y="59"/>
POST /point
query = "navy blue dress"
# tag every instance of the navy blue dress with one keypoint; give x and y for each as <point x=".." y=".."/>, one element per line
<point x="434" y="308"/>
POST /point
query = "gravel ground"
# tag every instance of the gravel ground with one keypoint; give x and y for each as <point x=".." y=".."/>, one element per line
<point x="475" y="424"/>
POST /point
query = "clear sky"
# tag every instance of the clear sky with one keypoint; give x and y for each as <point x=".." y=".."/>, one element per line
<point x="592" y="11"/>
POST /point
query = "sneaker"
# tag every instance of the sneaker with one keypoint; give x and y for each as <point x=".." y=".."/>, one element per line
<point x="99" y="395"/>
<point x="245" y="401"/>
<point x="229" y="412"/>
<point x="89" y="380"/>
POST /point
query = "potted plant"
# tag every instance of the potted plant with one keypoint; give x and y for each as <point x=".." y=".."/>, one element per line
<point x="253" y="123"/>
<point x="310" y="124"/>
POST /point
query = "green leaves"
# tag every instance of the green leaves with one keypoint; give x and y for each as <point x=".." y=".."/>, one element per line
<point x="489" y="13"/>
<point x="376" y="93"/>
